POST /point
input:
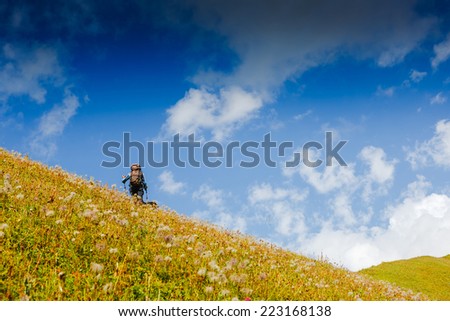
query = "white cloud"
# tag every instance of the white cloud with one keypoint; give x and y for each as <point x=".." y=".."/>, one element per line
<point x="303" y="115"/>
<point x="169" y="185"/>
<point x="417" y="76"/>
<point x="418" y="225"/>
<point x="220" y="113"/>
<point x="213" y="198"/>
<point x="54" y="121"/>
<point x="331" y="178"/>
<point x="284" y="40"/>
<point x="52" y="124"/>
<point x="434" y="151"/>
<point x="380" y="169"/>
<point x="265" y="192"/>
<point x="377" y="180"/>
<point x="388" y="92"/>
<point x="441" y="52"/>
<point x="282" y="206"/>
<point x="25" y="70"/>
<point x="217" y="211"/>
<point x="439" y="99"/>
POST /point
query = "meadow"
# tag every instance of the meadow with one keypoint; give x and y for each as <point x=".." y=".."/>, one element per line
<point x="64" y="237"/>
<point x="427" y="274"/>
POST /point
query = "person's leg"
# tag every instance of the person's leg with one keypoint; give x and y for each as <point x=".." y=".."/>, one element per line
<point x="140" y="193"/>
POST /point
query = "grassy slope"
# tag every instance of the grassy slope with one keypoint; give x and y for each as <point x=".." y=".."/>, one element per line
<point x="65" y="238"/>
<point x="429" y="275"/>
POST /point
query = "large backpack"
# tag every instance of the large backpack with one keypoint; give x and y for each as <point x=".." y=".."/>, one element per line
<point x="136" y="176"/>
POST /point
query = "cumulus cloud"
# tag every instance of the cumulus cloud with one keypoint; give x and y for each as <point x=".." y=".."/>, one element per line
<point x="169" y="185"/>
<point x="265" y="192"/>
<point x="441" y="52"/>
<point x="52" y="124"/>
<point x="388" y="92"/>
<point x="24" y="71"/>
<point x="282" y="40"/>
<point x="285" y="39"/>
<point x="217" y="212"/>
<point x="380" y="169"/>
<point x="329" y="179"/>
<point x="220" y="113"/>
<point x="439" y="99"/>
<point x="279" y="205"/>
<point x="213" y="198"/>
<point x="418" y="225"/>
<point x="417" y="76"/>
<point x="435" y="151"/>
<point x="380" y="174"/>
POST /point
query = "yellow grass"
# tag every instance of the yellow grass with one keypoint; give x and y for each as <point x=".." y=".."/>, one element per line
<point x="65" y="238"/>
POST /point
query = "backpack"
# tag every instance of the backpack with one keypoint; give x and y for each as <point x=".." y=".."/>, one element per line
<point x="136" y="176"/>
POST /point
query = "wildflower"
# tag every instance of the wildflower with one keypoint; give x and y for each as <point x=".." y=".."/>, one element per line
<point x="108" y="287"/>
<point x="134" y="214"/>
<point x="167" y="259"/>
<point x="247" y="299"/>
<point x="246" y="291"/>
<point x="212" y="276"/>
<point x="134" y="255"/>
<point x="238" y="278"/>
<point x="192" y="238"/>
<point x="3" y="226"/>
<point x="231" y="263"/>
<point x="113" y="250"/>
<point x="159" y="258"/>
<point x="2" y="234"/>
<point x="69" y="197"/>
<point x="262" y="276"/>
<point x="96" y="267"/>
<point x="224" y="292"/>
<point x="213" y="265"/>
<point x="235" y="298"/>
<point x="19" y="196"/>
<point x="209" y="289"/>
<point x="201" y="272"/>
<point x="101" y="246"/>
<point x="206" y="254"/>
<point x="24" y="298"/>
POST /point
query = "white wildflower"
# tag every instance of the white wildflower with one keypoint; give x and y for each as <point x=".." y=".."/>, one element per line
<point x="224" y="292"/>
<point x="201" y="272"/>
<point x="96" y="267"/>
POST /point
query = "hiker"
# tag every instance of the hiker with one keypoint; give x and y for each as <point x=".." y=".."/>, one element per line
<point x="137" y="181"/>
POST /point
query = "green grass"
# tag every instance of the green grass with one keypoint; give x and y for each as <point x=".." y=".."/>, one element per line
<point x="425" y="274"/>
<point x="66" y="238"/>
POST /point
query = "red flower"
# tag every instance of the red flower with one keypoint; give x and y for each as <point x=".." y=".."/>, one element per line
<point x="247" y="299"/>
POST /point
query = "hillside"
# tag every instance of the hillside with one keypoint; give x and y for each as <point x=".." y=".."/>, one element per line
<point x="65" y="238"/>
<point x="427" y="274"/>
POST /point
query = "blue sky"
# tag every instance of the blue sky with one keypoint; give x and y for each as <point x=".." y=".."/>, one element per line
<point x="75" y="75"/>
